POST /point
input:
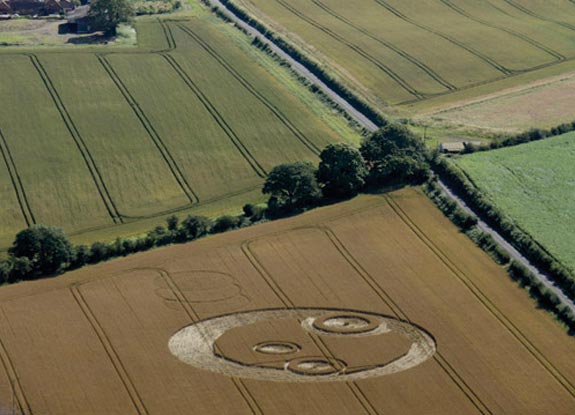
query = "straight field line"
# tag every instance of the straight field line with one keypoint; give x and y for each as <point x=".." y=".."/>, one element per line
<point x="168" y="35"/>
<point x="491" y="62"/>
<point x="538" y="16"/>
<point x="481" y="297"/>
<point x="401" y="315"/>
<point x="195" y="317"/>
<point x="110" y="351"/>
<point x="252" y="90"/>
<point x="15" y="385"/>
<point x="16" y="182"/>
<point x="251" y="160"/>
<point x="421" y="65"/>
<point x="79" y="141"/>
<point x="150" y="130"/>
<point x="303" y="69"/>
<point x="386" y="69"/>
<point x="558" y="56"/>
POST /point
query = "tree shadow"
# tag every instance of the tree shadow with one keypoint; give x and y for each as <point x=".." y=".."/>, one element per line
<point x="93" y="39"/>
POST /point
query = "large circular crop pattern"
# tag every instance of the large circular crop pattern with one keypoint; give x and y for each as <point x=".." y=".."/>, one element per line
<point x="196" y="345"/>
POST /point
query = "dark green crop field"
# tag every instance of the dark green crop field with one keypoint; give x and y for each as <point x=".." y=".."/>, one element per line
<point x="106" y="142"/>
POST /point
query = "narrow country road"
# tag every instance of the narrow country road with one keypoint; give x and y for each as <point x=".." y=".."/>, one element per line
<point x="369" y="125"/>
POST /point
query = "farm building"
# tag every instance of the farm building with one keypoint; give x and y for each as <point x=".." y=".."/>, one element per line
<point x="456" y="147"/>
<point x="78" y="21"/>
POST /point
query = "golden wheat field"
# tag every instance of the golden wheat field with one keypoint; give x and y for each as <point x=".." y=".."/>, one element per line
<point x="373" y="306"/>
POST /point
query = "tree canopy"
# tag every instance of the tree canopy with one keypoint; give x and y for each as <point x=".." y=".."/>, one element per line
<point x="47" y="248"/>
<point x="342" y="171"/>
<point x="394" y="154"/>
<point x="106" y="15"/>
<point x="292" y="186"/>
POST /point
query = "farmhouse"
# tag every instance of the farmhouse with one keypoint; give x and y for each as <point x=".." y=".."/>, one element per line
<point x="35" y="7"/>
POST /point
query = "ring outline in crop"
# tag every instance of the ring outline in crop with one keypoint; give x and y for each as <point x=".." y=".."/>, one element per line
<point x="195" y="345"/>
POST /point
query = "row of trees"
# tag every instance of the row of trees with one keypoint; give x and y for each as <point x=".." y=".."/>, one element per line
<point x="392" y="155"/>
<point x="534" y="134"/>
<point x="40" y="251"/>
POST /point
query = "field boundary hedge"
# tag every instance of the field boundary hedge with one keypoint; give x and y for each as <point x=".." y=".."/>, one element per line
<point x="534" y="134"/>
<point x="457" y="180"/>
<point x="311" y="65"/>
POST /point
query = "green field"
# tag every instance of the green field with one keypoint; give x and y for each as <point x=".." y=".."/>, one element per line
<point x="107" y="142"/>
<point x="405" y="53"/>
<point x="534" y="184"/>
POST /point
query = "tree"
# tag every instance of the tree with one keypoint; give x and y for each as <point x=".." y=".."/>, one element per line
<point x="22" y="269"/>
<point x="98" y="252"/>
<point x="194" y="227"/>
<point x="395" y="155"/>
<point x="161" y="236"/>
<point x="225" y="223"/>
<point x="172" y="222"/>
<point x="5" y="271"/>
<point x="106" y="15"/>
<point x="81" y="257"/>
<point x="253" y="212"/>
<point x="47" y="248"/>
<point x="342" y="171"/>
<point x="292" y="186"/>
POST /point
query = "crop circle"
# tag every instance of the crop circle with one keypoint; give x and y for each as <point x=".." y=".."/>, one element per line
<point x="196" y="345"/>
<point x="276" y="347"/>
<point x="315" y="366"/>
<point x="346" y="323"/>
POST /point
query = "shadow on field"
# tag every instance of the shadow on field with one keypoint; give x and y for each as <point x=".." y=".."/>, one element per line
<point x="95" y="39"/>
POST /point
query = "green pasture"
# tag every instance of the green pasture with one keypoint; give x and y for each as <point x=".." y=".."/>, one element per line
<point x="534" y="184"/>
<point x="107" y="142"/>
<point x="403" y="53"/>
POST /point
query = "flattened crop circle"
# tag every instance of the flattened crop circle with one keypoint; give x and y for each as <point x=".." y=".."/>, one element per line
<point x="196" y="345"/>
<point x="274" y="347"/>
<point x="315" y="366"/>
<point x="346" y="323"/>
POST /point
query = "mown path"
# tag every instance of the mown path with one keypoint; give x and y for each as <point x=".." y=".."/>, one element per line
<point x="369" y="125"/>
